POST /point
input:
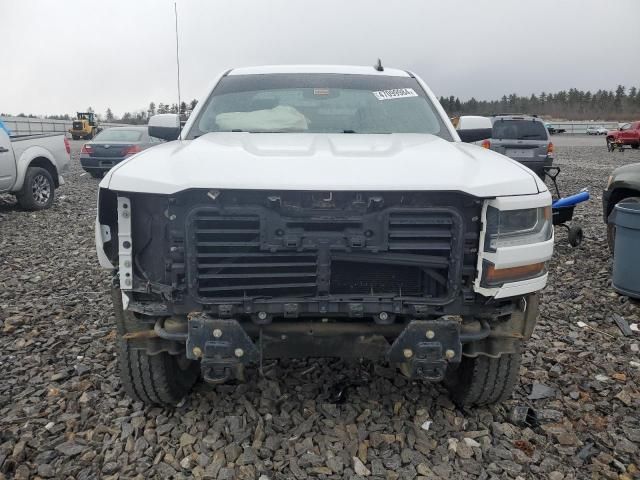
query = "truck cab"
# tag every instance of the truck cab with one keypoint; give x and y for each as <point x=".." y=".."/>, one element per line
<point x="322" y="211"/>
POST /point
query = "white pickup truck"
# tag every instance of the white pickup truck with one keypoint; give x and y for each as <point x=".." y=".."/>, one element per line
<point x="31" y="167"/>
<point x="322" y="211"/>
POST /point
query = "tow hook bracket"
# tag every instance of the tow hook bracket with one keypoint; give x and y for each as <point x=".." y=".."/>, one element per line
<point x="426" y="347"/>
<point x="221" y="345"/>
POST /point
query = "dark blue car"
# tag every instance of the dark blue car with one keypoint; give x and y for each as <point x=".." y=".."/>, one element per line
<point x="113" y="145"/>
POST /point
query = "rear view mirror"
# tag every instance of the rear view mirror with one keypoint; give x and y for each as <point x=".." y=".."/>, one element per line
<point x="473" y="128"/>
<point x="165" y="126"/>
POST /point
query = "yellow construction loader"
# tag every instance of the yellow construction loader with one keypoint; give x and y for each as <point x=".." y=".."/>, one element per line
<point x="85" y="125"/>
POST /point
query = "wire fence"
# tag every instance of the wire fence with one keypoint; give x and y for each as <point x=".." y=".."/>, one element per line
<point x="33" y="126"/>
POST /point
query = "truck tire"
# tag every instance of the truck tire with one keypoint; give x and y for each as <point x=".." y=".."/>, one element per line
<point x="38" y="189"/>
<point x="159" y="379"/>
<point x="75" y="137"/>
<point x="483" y="380"/>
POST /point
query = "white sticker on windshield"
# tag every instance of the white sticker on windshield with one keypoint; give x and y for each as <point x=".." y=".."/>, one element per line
<point x="395" y="93"/>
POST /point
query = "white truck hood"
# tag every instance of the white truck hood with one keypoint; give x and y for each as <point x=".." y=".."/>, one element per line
<point x="300" y="161"/>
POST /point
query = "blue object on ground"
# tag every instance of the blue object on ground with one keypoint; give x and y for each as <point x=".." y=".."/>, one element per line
<point x="626" y="257"/>
<point x="571" y="200"/>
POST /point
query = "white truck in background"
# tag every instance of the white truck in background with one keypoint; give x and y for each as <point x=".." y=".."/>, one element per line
<point x="31" y="167"/>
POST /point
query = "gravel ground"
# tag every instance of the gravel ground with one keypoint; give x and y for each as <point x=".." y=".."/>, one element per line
<point x="63" y="414"/>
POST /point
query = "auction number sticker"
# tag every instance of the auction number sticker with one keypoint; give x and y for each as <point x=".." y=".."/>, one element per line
<point x="395" y="93"/>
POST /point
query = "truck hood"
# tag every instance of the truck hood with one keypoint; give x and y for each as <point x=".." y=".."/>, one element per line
<point x="301" y="161"/>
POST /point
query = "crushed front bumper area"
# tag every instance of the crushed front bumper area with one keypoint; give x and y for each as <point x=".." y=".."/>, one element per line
<point x="241" y="254"/>
<point x="422" y="348"/>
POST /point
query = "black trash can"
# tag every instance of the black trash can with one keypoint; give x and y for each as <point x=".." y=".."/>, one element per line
<point x="626" y="258"/>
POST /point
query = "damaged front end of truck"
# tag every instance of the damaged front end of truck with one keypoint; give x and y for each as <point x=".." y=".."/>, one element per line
<point x="227" y="278"/>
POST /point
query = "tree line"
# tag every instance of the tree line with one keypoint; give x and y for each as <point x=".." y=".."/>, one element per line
<point x="141" y="117"/>
<point x="572" y="104"/>
<point x="136" y="117"/>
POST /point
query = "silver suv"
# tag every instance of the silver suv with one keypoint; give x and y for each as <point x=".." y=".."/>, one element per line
<point x="523" y="138"/>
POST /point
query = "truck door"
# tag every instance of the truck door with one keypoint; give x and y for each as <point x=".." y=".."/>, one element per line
<point x="635" y="133"/>
<point x="7" y="162"/>
<point x="625" y="133"/>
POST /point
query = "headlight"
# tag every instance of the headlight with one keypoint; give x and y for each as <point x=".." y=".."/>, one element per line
<point x="508" y="228"/>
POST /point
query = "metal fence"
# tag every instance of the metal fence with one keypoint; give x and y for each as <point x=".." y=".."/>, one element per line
<point x="34" y="126"/>
<point x="581" y="127"/>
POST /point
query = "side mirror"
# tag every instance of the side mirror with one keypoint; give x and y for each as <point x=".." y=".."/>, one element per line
<point x="165" y="126"/>
<point x="473" y="128"/>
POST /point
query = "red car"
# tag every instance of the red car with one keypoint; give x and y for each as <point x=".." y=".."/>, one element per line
<point x="627" y="134"/>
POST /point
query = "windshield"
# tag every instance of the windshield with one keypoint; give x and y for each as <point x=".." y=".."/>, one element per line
<point x="318" y="103"/>
<point x="519" y="130"/>
<point x="119" y="135"/>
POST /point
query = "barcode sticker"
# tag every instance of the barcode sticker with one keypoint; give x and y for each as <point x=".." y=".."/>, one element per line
<point x="395" y="93"/>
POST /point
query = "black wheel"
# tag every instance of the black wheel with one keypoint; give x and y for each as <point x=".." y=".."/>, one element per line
<point x="576" y="235"/>
<point x="635" y="146"/>
<point x="96" y="173"/>
<point x="483" y="380"/>
<point x="610" y="146"/>
<point x="75" y="137"/>
<point x="38" y="190"/>
<point x="611" y="228"/>
<point x="159" y="379"/>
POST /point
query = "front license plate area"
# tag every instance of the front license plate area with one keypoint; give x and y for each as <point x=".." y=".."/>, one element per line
<point x="426" y="347"/>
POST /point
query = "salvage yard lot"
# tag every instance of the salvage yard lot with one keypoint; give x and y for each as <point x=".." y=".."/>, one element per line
<point x="62" y="412"/>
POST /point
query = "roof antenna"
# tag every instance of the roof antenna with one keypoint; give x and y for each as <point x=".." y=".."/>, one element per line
<point x="175" y="10"/>
<point x="378" y="66"/>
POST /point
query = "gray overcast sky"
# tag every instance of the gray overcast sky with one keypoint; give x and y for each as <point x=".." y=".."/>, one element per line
<point x="63" y="56"/>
